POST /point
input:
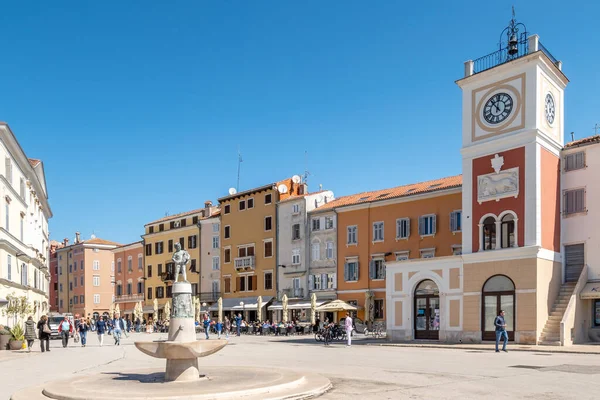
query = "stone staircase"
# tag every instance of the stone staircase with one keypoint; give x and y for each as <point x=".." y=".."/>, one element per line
<point x="551" y="334"/>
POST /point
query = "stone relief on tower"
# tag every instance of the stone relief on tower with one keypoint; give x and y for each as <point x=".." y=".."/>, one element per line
<point x="498" y="184"/>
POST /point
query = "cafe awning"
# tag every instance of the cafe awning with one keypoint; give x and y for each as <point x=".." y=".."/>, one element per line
<point x="294" y="305"/>
<point x="590" y="291"/>
<point x="250" y="304"/>
<point x="3" y="300"/>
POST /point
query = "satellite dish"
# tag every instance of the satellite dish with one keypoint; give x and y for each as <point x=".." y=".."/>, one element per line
<point x="232" y="191"/>
<point x="282" y="189"/>
<point x="93" y="236"/>
<point x="296" y="179"/>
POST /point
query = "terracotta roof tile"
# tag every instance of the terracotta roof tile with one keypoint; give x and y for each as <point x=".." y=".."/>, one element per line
<point x="101" y="241"/>
<point x="183" y="214"/>
<point x="400" y="191"/>
<point x="34" y="162"/>
<point x="583" y="142"/>
<point x="299" y="196"/>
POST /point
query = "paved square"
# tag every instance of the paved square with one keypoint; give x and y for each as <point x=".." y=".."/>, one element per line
<point x="365" y="370"/>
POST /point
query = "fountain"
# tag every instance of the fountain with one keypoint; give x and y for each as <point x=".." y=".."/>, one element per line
<point x="182" y="378"/>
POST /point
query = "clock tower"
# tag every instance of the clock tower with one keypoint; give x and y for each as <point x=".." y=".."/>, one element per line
<point x="512" y="135"/>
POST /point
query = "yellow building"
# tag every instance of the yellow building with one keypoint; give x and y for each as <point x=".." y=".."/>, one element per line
<point x="159" y="241"/>
<point x="248" y="248"/>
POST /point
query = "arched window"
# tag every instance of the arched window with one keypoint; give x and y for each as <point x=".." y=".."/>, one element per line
<point x="427" y="287"/>
<point x="507" y="236"/>
<point x="489" y="233"/>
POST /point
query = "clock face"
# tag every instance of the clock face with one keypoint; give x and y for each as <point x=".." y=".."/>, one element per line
<point x="550" y="108"/>
<point x="498" y="108"/>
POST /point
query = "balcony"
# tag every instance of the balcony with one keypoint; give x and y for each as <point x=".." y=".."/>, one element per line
<point x="244" y="262"/>
<point x="129" y="297"/>
<point x="208" y="297"/>
<point x="292" y="293"/>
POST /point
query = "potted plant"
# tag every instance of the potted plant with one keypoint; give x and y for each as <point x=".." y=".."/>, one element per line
<point x="17" y="338"/>
<point x="5" y="336"/>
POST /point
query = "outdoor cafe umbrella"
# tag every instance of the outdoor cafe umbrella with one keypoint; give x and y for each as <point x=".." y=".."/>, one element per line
<point x="167" y="311"/>
<point x="259" y="308"/>
<point x="284" y="303"/>
<point x="220" y="309"/>
<point x="336" y="306"/>
<point x="155" y="304"/>
<point x="313" y="308"/>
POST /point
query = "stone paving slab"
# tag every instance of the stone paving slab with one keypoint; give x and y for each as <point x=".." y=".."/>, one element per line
<point x="575" y="349"/>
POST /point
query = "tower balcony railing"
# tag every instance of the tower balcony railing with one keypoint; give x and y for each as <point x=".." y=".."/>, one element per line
<point x="129" y="297"/>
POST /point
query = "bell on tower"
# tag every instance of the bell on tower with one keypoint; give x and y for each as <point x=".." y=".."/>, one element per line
<point x="516" y="40"/>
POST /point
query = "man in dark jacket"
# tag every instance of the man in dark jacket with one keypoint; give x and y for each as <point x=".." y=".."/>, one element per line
<point x="501" y="331"/>
<point x="238" y="323"/>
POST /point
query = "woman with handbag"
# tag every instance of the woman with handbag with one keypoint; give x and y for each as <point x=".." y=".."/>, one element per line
<point x="44" y="332"/>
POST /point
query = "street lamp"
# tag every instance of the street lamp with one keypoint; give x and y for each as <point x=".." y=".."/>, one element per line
<point x="203" y="305"/>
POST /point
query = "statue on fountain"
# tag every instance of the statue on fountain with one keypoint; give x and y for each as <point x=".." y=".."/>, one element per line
<point x="180" y="258"/>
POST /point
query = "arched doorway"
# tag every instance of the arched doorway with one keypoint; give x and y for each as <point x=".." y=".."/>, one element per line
<point x="498" y="294"/>
<point x="427" y="310"/>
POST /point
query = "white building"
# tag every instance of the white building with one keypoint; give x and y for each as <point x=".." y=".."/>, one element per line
<point x="210" y="255"/>
<point x="581" y="244"/>
<point x="322" y="272"/>
<point x="24" y="215"/>
<point x="293" y="251"/>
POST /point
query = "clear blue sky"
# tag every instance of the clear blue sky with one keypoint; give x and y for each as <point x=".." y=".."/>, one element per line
<point x="137" y="107"/>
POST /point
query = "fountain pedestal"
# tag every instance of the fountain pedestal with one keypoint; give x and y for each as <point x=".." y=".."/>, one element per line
<point x="181" y="349"/>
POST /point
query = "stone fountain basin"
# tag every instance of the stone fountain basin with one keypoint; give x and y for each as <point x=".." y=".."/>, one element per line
<point x="180" y="350"/>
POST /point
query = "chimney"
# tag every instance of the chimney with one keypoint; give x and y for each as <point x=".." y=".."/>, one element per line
<point x="66" y="242"/>
<point x="77" y="237"/>
<point x="207" y="208"/>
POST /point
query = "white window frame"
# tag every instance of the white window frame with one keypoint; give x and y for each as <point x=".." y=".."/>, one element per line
<point x="216" y="262"/>
<point x="296" y="256"/>
<point x="96" y="299"/>
<point x="315" y="251"/>
<point x="329" y="224"/>
<point x="576" y="165"/>
<point x="216" y="227"/>
<point x="353" y="261"/>
<point x="566" y="193"/>
<point x="315" y="224"/>
<point x="265" y="223"/>
<point x="296" y="209"/>
<point x="456" y="221"/>
<point x="433" y="224"/>
<point x="331" y="281"/>
<point x="140" y="262"/>
<point x="354" y="229"/>
<point x="265" y="241"/>
<point x="96" y="280"/>
<point x="96" y="265"/>
<point x="456" y="249"/>
<point x="400" y="228"/>
<point x="402" y="255"/>
<point x="299" y="232"/>
<point x="378" y="230"/>
<point x="215" y="242"/>
<point x="381" y="266"/>
<point x="330" y="247"/>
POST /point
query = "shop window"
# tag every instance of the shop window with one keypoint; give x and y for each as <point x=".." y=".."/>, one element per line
<point x="378" y="311"/>
<point x="597" y="313"/>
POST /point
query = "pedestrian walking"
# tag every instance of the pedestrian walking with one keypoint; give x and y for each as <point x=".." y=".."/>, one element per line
<point x="501" y="331"/>
<point x="348" y="326"/>
<point x="227" y="327"/>
<point x="83" y="330"/>
<point x="101" y="330"/>
<point x="206" y="324"/>
<point x="219" y="326"/>
<point x="29" y="332"/>
<point x="118" y="327"/>
<point x="65" y="328"/>
<point x="238" y="323"/>
<point x="44" y="332"/>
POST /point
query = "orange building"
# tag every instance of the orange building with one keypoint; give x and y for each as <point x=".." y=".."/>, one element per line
<point x="420" y="220"/>
<point x="129" y="276"/>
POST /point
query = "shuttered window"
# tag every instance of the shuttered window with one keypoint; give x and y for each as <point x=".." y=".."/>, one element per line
<point x="351" y="271"/>
<point x="456" y="221"/>
<point x="427" y="225"/>
<point x="402" y="228"/>
<point x="574" y="261"/>
<point x="575" y="161"/>
<point x="574" y="201"/>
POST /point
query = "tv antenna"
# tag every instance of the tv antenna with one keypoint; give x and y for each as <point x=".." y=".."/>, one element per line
<point x="306" y="172"/>
<point x="596" y="129"/>
<point x="240" y="160"/>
